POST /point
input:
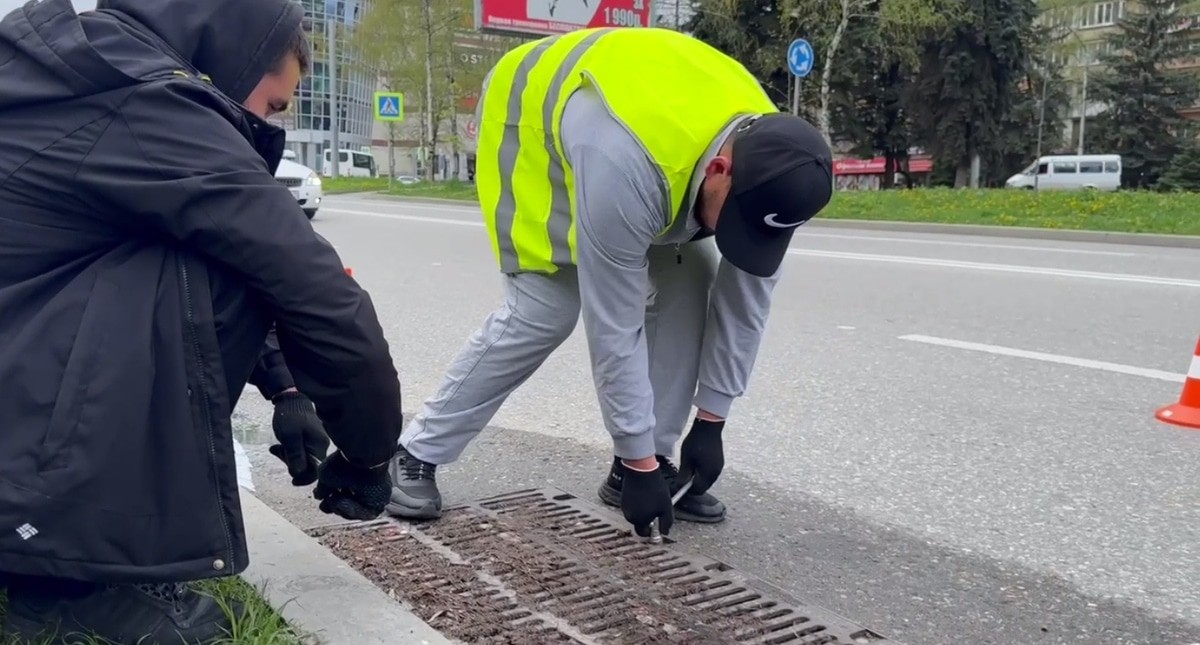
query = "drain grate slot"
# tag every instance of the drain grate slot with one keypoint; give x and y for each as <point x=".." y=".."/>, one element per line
<point x="541" y="566"/>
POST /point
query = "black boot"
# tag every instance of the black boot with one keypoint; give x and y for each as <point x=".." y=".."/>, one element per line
<point x="167" y="614"/>
<point x="415" y="493"/>
<point x="702" y="508"/>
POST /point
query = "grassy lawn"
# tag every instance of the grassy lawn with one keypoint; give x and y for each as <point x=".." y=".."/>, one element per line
<point x="441" y="189"/>
<point x="1121" y="211"/>
<point x="334" y="186"/>
<point x="259" y="625"/>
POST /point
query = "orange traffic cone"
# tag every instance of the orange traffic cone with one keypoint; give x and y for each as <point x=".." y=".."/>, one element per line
<point x="1187" y="412"/>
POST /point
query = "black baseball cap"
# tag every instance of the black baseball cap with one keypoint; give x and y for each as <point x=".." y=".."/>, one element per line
<point x="782" y="177"/>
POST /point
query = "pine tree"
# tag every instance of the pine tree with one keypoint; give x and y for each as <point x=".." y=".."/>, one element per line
<point x="970" y="80"/>
<point x="1142" y="94"/>
<point x="1184" y="172"/>
<point x="871" y="106"/>
<point x="1040" y="97"/>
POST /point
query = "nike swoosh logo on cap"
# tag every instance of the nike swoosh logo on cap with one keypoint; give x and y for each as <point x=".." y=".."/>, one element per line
<point x="769" y="220"/>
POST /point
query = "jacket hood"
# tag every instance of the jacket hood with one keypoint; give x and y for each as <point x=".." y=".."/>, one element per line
<point x="48" y="52"/>
<point x="235" y="42"/>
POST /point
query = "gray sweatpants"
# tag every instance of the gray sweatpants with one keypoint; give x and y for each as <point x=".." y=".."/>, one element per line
<point x="538" y="314"/>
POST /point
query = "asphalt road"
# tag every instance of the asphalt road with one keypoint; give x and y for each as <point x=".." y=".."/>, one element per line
<point x="947" y="439"/>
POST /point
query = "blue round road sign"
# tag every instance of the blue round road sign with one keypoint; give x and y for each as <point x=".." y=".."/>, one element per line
<point x="800" y="57"/>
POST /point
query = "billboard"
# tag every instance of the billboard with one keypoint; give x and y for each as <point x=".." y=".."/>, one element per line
<point x="548" y="17"/>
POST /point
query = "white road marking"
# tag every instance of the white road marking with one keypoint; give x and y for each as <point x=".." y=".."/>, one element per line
<point x="1002" y="268"/>
<point x="431" y="206"/>
<point x="1013" y="247"/>
<point x="871" y="257"/>
<point x="407" y="218"/>
<point x="802" y="233"/>
<point x="1049" y="358"/>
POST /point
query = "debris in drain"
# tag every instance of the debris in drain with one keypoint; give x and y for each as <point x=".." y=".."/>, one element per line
<point x="540" y="566"/>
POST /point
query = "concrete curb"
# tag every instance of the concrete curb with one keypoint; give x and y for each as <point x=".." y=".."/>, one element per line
<point x="1020" y="232"/>
<point x="317" y="592"/>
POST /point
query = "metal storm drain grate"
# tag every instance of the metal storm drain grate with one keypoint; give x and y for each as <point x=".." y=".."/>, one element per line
<point x="541" y="566"/>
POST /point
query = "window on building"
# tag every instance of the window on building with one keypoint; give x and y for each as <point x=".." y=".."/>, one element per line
<point x="1105" y="14"/>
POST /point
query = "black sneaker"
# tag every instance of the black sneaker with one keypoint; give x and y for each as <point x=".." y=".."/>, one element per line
<point x="415" y="493"/>
<point x="166" y="614"/>
<point x="702" y="508"/>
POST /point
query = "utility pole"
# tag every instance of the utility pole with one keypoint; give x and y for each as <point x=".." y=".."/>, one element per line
<point x="335" y="155"/>
<point x="1041" y="124"/>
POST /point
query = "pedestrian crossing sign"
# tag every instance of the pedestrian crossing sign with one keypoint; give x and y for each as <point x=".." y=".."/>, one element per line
<point x="389" y="106"/>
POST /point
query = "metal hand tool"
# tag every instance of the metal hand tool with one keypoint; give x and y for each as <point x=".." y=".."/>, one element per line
<point x="655" y="536"/>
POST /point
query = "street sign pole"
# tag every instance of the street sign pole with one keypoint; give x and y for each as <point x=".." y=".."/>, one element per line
<point x="796" y="97"/>
<point x="389" y="107"/>
<point x="800" y="59"/>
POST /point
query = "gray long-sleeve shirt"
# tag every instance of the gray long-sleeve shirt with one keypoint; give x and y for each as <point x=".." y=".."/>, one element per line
<point x="622" y="205"/>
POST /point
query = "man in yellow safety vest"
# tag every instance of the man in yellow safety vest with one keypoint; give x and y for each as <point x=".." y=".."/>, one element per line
<point x="644" y="178"/>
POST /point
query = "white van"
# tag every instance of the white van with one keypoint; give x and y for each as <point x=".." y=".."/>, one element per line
<point x="353" y="163"/>
<point x="1070" y="172"/>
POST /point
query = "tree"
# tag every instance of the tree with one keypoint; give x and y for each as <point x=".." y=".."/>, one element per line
<point x="870" y="101"/>
<point x="970" y="79"/>
<point x="390" y="44"/>
<point x="1141" y="91"/>
<point x="1184" y="172"/>
<point x="867" y="107"/>
<point x="888" y="28"/>
<point x="750" y="32"/>
<point x="413" y="45"/>
<point x="1041" y="102"/>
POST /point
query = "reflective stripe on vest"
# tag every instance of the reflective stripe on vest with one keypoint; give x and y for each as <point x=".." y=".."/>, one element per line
<point x="673" y="93"/>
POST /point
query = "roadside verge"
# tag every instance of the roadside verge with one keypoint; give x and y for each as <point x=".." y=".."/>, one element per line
<point x="1019" y="232"/>
<point x="317" y="592"/>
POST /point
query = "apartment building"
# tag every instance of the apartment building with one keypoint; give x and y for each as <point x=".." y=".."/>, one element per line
<point x="1083" y="29"/>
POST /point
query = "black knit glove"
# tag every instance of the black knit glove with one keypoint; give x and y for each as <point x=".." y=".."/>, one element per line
<point x="351" y="491"/>
<point x="303" y="443"/>
<point x="702" y="455"/>
<point x="644" y="497"/>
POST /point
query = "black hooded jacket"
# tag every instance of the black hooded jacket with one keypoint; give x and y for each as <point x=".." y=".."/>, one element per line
<point x="145" y="250"/>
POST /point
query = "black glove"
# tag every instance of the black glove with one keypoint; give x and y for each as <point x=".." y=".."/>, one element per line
<point x="351" y="491"/>
<point x="645" y="496"/>
<point x="303" y="443"/>
<point x="702" y="456"/>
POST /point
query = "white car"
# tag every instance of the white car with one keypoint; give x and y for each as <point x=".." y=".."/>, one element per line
<point x="303" y="181"/>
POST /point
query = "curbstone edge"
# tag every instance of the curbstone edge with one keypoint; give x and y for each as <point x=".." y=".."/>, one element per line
<point x="317" y="592"/>
<point x="1019" y="232"/>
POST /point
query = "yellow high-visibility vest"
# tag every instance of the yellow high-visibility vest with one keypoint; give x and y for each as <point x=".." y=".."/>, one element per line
<point x="672" y="92"/>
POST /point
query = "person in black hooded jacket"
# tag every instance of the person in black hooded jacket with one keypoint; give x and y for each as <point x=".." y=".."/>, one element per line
<point x="146" y="250"/>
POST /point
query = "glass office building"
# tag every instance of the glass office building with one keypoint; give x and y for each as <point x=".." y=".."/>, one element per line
<point x="309" y="120"/>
